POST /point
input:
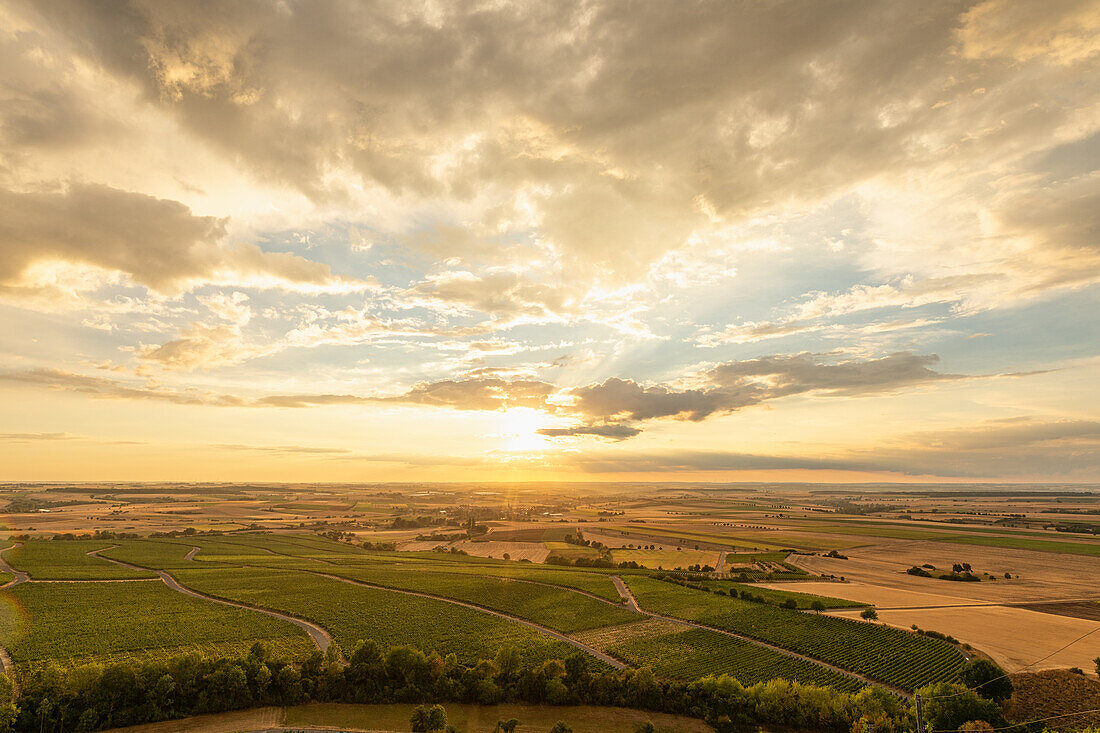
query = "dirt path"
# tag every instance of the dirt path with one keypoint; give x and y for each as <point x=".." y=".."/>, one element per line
<point x="320" y="637"/>
<point x="633" y="603"/>
<point x="18" y="575"/>
<point x="529" y="624"/>
<point x="191" y="555"/>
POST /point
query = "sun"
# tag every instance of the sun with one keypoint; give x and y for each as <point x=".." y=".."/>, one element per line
<point x="519" y="426"/>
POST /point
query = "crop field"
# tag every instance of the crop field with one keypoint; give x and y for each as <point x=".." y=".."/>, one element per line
<point x="70" y="622"/>
<point x="913" y="660"/>
<point x="779" y="536"/>
<point x="350" y="613"/>
<point x="694" y="653"/>
<point x="67" y="560"/>
<point x="155" y="554"/>
<point x="803" y="601"/>
<point x="666" y="559"/>
<point x="558" y="609"/>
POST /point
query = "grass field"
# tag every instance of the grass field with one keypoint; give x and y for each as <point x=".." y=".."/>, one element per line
<point x="882" y="653"/>
<point x="77" y="622"/>
<point x="694" y="653"/>
<point x="351" y="613"/>
<point x="67" y="560"/>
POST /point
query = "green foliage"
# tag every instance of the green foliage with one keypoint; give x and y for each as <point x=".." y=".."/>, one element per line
<point x="560" y="727"/>
<point x="777" y="597"/>
<point x="694" y="653"/>
<point x="882" y="653"/>
<point x="869" y="613"/>
<point x="96" y="697"/>
<point x="947" y="706"/>
<point x="428" y="718"/>
<point x="68" y="560"/>
<point x="986" y="679"/>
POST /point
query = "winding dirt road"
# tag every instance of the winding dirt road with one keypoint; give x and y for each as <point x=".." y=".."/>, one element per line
<point x="530" y="624"/>
<point x="320" y="637"/>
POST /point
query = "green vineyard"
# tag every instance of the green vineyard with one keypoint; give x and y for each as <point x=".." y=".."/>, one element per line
<point x="695" y="653"/>
<point x="885" y="654"/>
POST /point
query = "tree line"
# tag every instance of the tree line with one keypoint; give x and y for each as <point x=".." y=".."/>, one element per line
<point x="55" y="698"/>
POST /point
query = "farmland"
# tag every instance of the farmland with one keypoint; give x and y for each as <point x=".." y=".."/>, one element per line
<point x="82" y="622"/>
<point x="694" y="653"/>
<point x="352" y="613"/>
<point x="849" y="644"/>
<point x="352" y="565"/>
<point x="67" y="560"/>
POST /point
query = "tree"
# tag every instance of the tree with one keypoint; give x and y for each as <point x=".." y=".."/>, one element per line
<point x="947" y="706"/>
<point x="870" y="614"/>
<point x="817" y="606"/>
<point x="986" y="679"/>
<point x="646" y="727"/>
<point x="560" y="727"/>
<point x="1097" y="663"/>
<point x="428" y="718"/>
<point x="506" y="726"/>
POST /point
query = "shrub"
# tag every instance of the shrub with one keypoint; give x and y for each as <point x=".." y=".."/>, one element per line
<point x="870" y="614"/>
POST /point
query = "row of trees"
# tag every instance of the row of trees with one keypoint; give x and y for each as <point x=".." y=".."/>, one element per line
<point x="55" y="699"/>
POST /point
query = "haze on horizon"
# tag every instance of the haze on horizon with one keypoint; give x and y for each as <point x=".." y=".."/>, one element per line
<point x="338" y="241"/>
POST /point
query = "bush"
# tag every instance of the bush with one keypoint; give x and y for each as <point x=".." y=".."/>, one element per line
<point x="948" y="706"/>
<point x="870" y="614"/>
<point x="986" y="679"/>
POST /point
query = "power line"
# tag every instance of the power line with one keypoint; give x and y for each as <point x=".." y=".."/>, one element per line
<point x="1037" y="720"/>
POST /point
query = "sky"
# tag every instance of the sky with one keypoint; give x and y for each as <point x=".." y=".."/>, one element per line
<point x="493" y="241"/>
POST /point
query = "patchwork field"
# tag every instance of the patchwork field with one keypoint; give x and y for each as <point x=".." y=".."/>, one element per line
<point x="349" y="562"/>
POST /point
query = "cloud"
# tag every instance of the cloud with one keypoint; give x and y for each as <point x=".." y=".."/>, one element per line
<point x="605" y="407"/>
<point x="486" y="393"/>
<point x="615" y="131"/>
<point x="283" y="449"/>
<point x="37" y="437"/>
<point x="615" y="432"/>
<point x="734" y="385"/>
<point x="157" y="242"/>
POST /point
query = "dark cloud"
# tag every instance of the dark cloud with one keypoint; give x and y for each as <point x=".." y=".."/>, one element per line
<point x="735" y="385"/>
<point x="625" y="116"/>
<point x="157" y="242"/>
<point x="616" y="432"/>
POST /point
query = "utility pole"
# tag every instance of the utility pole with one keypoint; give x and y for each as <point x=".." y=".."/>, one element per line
<point x="920" y="714"/>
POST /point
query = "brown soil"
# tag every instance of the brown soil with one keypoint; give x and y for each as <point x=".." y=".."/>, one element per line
<point x="1054" y="692"/>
